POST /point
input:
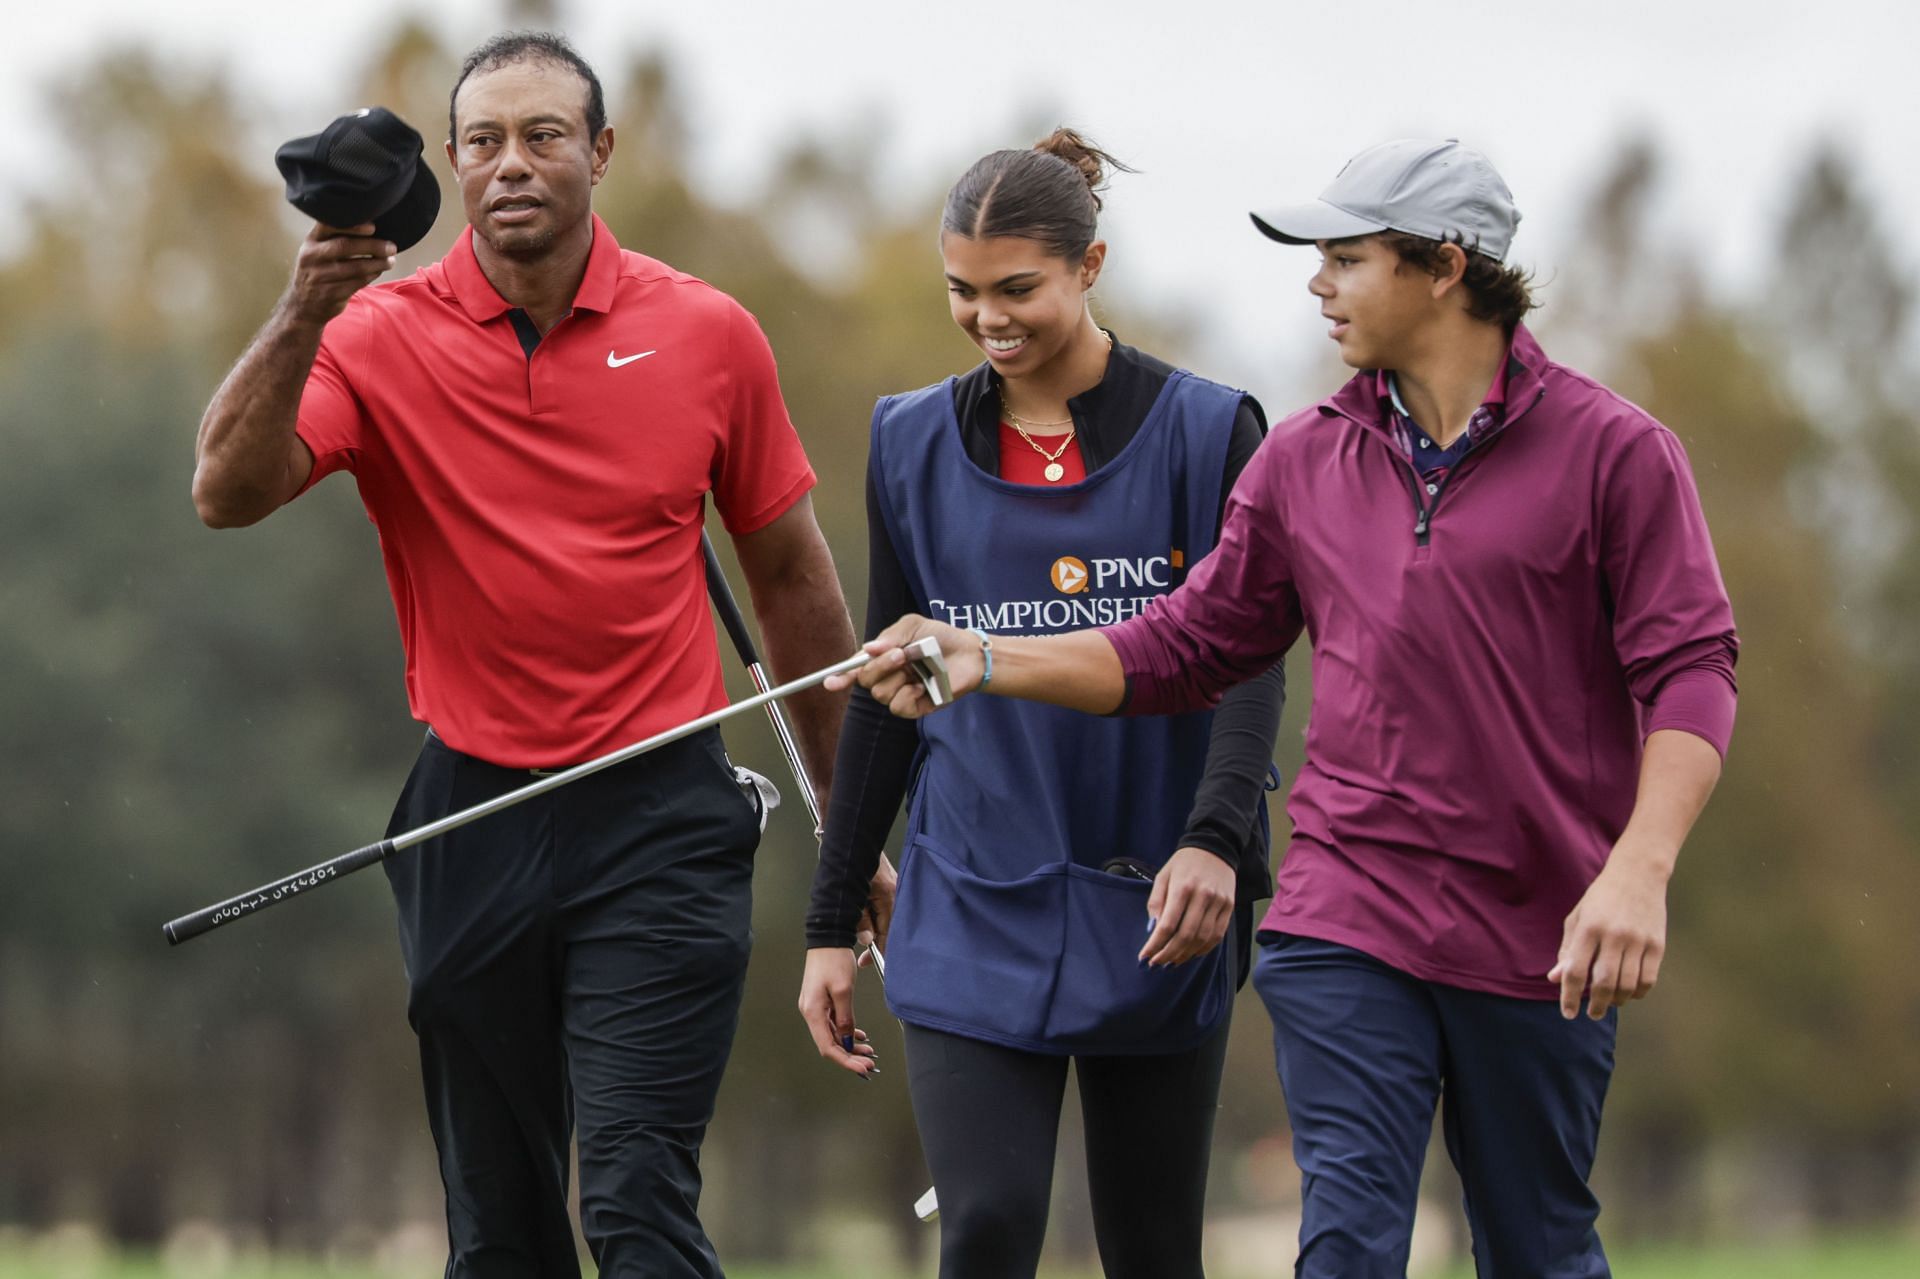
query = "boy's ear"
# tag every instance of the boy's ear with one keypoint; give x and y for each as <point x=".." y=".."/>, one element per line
<point x="1454" y="269"/>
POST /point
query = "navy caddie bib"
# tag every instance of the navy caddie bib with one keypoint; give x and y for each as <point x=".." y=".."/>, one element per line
<point x="1006" y="927"/>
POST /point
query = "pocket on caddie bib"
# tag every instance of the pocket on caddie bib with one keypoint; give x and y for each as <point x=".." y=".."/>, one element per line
<point x="1105" y="1001"/>
<point x="972" y="954"/>
<point x="1047" y="962"/>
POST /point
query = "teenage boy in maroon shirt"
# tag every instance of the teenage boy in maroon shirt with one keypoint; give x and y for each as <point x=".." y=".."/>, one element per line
<point x="1522" y="692"/>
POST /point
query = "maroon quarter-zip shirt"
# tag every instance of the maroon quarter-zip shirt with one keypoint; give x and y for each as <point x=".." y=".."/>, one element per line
<point x="1489" y="654"/>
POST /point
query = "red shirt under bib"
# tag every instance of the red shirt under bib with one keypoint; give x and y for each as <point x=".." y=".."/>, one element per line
<point x="1020" y="463"/>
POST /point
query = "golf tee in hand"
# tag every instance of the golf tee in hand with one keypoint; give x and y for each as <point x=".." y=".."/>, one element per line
<point x="826" y="1004"/>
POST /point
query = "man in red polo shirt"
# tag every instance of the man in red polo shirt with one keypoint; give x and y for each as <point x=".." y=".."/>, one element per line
<point x="535" y="422"/>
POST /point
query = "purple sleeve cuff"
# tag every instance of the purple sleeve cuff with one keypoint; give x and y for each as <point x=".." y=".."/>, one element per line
<point x="1699" y="700"/>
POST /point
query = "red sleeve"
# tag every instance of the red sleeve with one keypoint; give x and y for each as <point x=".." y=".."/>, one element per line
<point x="1672" y="624"/>
<point x="332" y="418"/>
<point x="761" y="469"/>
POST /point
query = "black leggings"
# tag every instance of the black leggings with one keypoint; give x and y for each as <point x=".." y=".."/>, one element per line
<point x="990" y="1118"/>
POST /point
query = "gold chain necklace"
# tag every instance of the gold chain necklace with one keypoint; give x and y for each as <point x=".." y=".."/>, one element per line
<point x="1053" y="470"/>
<point x="1017" y="421"/>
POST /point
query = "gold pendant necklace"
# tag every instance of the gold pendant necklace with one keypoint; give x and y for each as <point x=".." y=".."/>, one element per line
<point x="1053" y="470"/>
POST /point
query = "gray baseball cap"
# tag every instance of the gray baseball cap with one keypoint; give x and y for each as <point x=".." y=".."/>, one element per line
<point x="1415" y="185"/>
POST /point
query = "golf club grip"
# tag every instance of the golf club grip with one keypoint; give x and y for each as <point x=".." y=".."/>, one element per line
<point x="725" y="605"/>
<point x="212" y="917"/>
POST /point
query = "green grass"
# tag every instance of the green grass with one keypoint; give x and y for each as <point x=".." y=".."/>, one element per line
<point x="32" y="1263"/>
<point x="1845" y="1259"/>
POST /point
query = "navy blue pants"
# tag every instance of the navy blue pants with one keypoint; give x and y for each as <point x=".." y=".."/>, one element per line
<point x="1366" y="1052"/>
<point x="576" y="959"/>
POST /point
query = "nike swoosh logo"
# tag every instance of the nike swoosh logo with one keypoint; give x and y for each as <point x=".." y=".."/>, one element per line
<point x="613" y="363"/>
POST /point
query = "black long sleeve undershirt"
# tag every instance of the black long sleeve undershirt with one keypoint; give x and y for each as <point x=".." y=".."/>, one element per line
<point x="873" y="767"/>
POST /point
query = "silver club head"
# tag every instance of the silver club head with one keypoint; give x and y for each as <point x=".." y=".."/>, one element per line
<point x="930" y="665"/>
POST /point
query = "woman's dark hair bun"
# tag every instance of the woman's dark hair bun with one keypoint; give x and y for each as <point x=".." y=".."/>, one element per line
<point x="1090" y="160"/>
<point x="1048" y="193"/>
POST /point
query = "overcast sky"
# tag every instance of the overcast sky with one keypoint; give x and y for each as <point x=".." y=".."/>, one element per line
<point x="1222" y="105"/>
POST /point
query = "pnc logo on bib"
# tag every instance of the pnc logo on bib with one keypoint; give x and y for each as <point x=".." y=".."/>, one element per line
<point x="1069" y="575"/>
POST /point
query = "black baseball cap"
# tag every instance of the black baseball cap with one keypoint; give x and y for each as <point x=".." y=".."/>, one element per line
<point x="364" y="167"/>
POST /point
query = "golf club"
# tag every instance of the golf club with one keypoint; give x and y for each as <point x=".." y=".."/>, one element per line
<point x="721" y="593"/>
<point x="731" y="617"/>
<point x="927" y="1206"/>
<point x="927" y="663"/>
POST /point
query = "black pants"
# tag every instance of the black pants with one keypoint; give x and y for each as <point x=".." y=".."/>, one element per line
<point x="989" y="1120"/>
<point x="577" y="958"/>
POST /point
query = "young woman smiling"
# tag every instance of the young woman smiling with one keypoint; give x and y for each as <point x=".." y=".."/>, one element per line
<point x="1072" y="889"/>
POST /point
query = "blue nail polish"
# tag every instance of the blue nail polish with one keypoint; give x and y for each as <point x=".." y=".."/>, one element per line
<point x="846" y="1043"/>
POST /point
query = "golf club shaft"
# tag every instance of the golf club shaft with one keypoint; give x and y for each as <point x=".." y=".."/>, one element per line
<point x="928" y="1205"/>
<point x="735" y="621"/>
<point x="211" y="917"/>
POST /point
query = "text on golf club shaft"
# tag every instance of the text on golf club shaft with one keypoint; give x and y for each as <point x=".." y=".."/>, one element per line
<point x="313" y="878"/>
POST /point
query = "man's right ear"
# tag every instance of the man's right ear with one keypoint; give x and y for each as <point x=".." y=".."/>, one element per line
<point x="602" y="153"/>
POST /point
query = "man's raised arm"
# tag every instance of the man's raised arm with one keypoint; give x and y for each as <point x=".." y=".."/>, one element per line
<point x="247" y="459"/>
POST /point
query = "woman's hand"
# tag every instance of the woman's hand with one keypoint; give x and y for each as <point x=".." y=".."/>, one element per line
<point x="826" y="1002"/>
<point x="1192" y="902"/>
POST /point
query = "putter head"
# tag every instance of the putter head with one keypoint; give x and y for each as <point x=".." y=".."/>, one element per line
<point x="930" y="665"/>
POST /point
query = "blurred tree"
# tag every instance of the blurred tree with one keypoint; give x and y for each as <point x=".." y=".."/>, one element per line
<point x="1625" y="280"/>
<point x="156" y="241"/>
<point x="189" y="715"/>
<point x="1838" y="304"/>
<point x="1788" y="897"/>
<point x="1839" y="319"/>
<point x="541" y="15"/>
